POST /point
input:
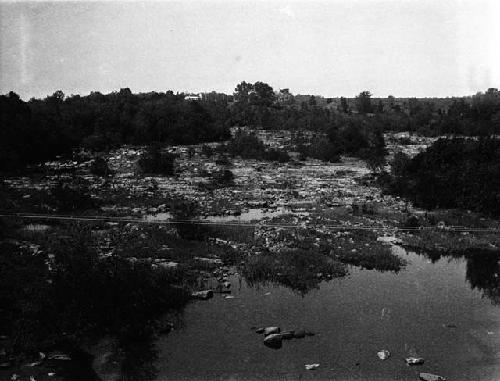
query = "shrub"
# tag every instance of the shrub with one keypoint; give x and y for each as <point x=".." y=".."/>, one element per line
<point x="99" y="167"/>
<point x="68" y="196"/>
<point x="321" y="149"/>
<point x="157" y="162"/>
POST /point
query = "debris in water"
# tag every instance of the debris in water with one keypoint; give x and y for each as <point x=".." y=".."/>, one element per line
<point x="384" y="354"/>
<point x="431" y="377"/>
<point x="312" y="366"/>
<point x="414" y="361"/>
<point x="449" y="326"/>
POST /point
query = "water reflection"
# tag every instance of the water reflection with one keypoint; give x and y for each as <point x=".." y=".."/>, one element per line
<point x="139" y="363"/>
<point x="482" y="270"/>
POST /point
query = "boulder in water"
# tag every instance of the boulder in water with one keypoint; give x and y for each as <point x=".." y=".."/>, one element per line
<point x="273" y="340"/>
<point x="271" y="330"/>
<point x="431" y="377"/>
<point x="384" y="354"/>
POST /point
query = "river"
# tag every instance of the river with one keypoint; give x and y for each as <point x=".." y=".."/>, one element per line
<point x="430" y="309"/>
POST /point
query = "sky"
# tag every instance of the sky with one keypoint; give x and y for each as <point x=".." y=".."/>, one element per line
<point x="337" y="48"/>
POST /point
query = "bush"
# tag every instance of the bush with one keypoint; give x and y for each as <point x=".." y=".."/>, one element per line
<point x="321" y="149"/>
<point x="157" y="162"/>
<point x="248" y="146"/>
<point x="452" y="173"/>
<point x="68" y="196"/>
<point x="99" y="167"/>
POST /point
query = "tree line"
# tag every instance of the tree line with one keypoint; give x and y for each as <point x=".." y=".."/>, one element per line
<point x="40" y="129"/>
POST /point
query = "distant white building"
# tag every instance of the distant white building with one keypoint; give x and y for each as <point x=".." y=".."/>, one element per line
<point x="193" y="97"/>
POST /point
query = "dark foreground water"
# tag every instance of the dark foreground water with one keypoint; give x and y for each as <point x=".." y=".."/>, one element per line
<point x="428" y="310"/>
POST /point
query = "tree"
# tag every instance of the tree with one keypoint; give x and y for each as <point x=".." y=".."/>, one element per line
<point x="344" y="107"/>
<point x="363" y="102"/>
<point x="242" y="92"/>
<point x="262" y="95"/>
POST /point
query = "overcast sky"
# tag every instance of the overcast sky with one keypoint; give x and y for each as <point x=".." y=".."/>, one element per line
<point x="403" y="48"/>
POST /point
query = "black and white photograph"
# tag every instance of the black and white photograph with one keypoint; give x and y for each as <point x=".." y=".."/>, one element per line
<point x="250" y="190"/>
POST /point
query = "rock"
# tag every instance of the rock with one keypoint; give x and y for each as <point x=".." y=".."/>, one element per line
<point x="414" y="361"/>
<point x="312" y="366"/>
<point x="287" y="335"/>
<point x="58" y="356"/>
<point x="5" y="365"/>
<point x="300" y="334"/>
<point x="449" y="326"/>
<point x="273" y="340"/>
<point x="430" y="377"/>
<point x="389" y="240"/>
<point x="227" y="284"/>
<point x="271" y="330"/>
<point x="203" y="295"/>
<point x="229" y="297"/>
<point x="309" y="333"/>
<point x="259" y="330"/>
<point x="384" y="354"/>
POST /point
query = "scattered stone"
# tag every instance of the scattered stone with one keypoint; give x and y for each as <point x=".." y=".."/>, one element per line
<point x="414" y="361"/>
<point x="389" y="240"/>
<point x="273" y="340"/>
<point x="58" y="356"/>
<point x="431" y="377"/>
<point x="300" y="334"/>
<point x="449" y="326"/>
<point x="384" y="354"/>
<point x="227" y="284"/>
<point x="51" y="374"/>
<point x="229" y="297"/>
<point x="271" y="330"/>
<point x="203" y="295"/>
<point x="287" y="335"/>
<point x="312" y="366"/>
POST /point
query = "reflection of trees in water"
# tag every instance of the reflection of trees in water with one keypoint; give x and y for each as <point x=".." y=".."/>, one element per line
<point x="483" y="273"/>
<point x="140" y="357"/>
<point x="482" y="270"/>
<point x="299" y="270"/>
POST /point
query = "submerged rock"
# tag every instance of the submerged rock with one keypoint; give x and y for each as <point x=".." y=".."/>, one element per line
<point x="300" y="334"/>
<point x="414" y="360"/>
<point x="287" y="335"/>
<point x="430" y="377"/>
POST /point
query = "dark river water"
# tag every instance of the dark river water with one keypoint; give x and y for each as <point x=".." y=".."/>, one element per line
<point x="442" y="310"/>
